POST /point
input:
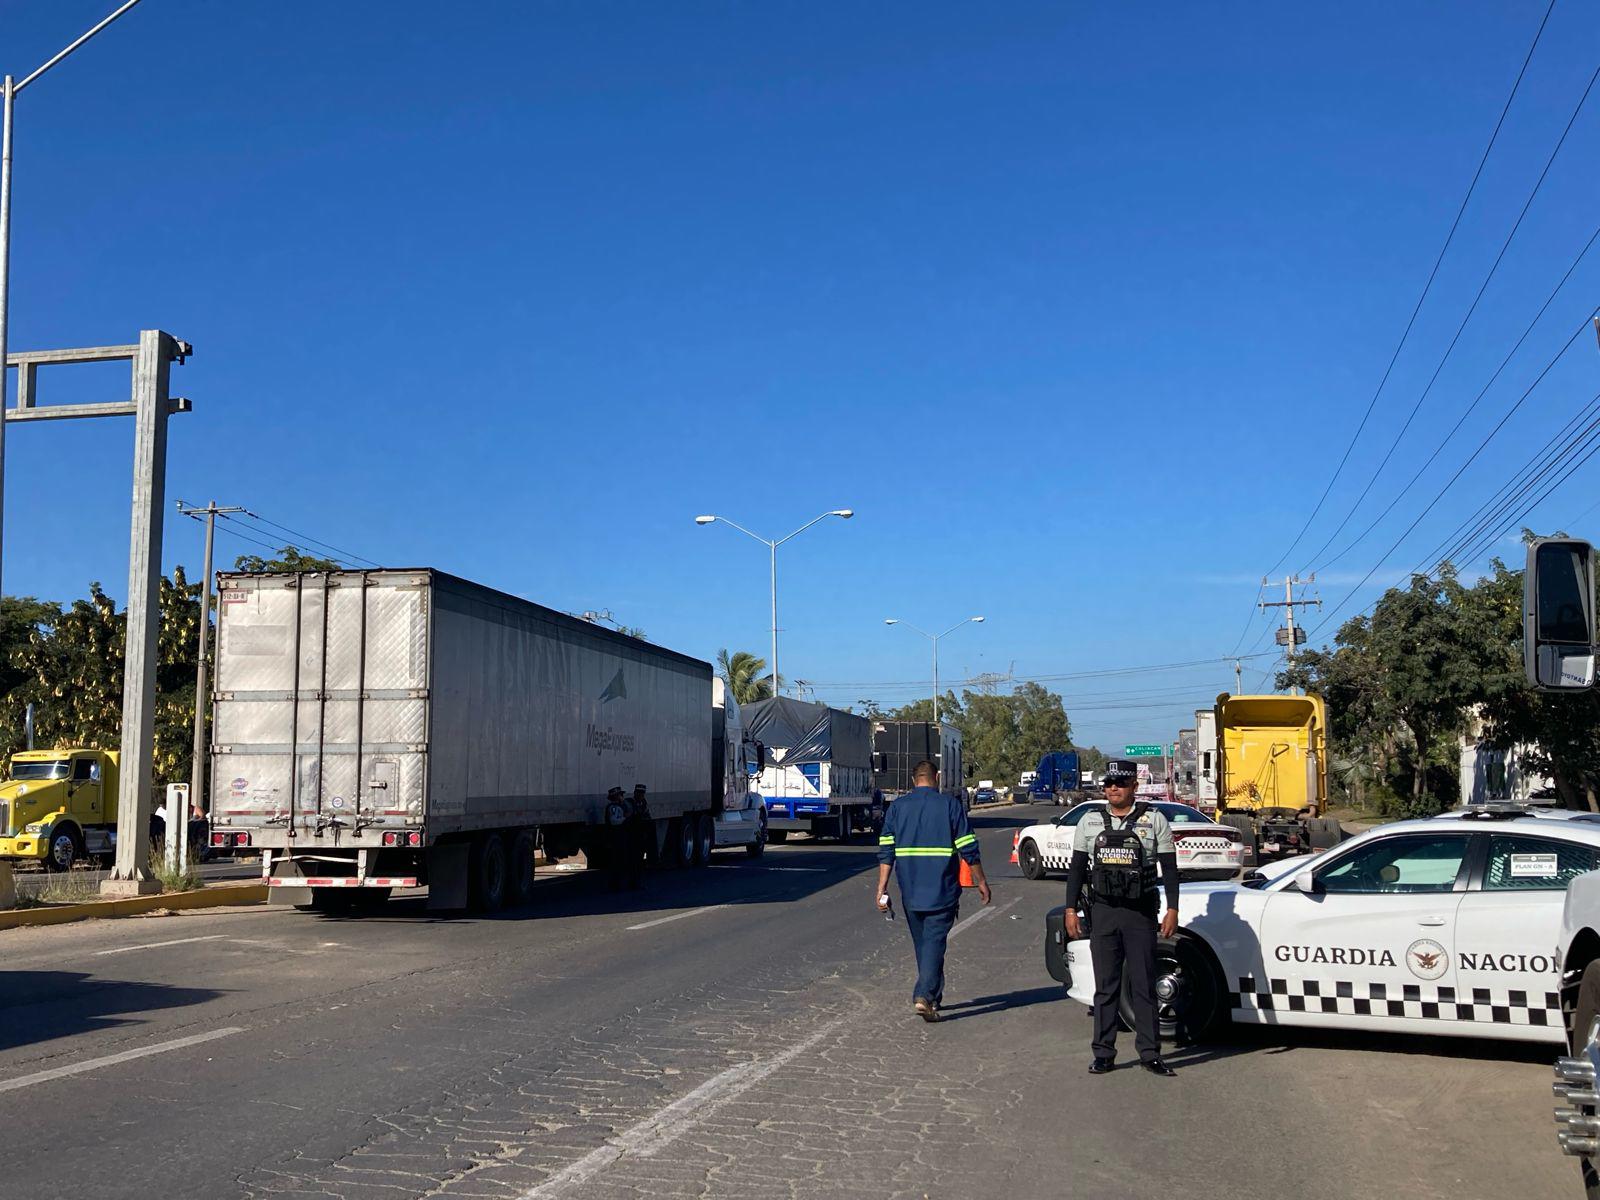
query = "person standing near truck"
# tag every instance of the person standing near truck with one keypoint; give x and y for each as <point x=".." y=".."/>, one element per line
<point x="641" y="832"/>
<point x="1117" y="850"/>
<point x="925" y="836"/>
<point x="619" y="815"/>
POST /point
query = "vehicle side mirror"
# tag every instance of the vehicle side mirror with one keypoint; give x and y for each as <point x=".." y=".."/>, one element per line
<point x="1306" y="881"/>
<point x="761" y="757"/>
<point x="1558" y="615"/>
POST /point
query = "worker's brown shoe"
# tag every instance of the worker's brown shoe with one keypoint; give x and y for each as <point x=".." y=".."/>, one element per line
<point x="926" y="1010"/>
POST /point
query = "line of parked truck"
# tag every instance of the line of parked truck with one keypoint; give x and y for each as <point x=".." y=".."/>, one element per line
<point x="374" y="730"/>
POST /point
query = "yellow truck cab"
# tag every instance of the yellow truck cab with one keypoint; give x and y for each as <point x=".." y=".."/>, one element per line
<point x="58" y="806"/>
<point x="1272" y="785"/>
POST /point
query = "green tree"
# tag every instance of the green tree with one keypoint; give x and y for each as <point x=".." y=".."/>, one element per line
<point x="72" y="670"/>
<point x="288" y="560"/>
<point x="1558" y="733"/>
<point x="746" y="675"/>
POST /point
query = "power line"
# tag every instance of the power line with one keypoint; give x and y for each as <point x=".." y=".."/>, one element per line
<point x="1528" y="477"/>
<point x="1471" y="309"/>
<point x="1426" y="288"/>
<point x="1096" y="674"/>
<point x="306" y="537"/>
<point x="1452" y="480"/>
<point x="1471" y="408"/>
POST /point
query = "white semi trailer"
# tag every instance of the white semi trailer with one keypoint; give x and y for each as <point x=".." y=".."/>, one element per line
<point x="384" y="729"/>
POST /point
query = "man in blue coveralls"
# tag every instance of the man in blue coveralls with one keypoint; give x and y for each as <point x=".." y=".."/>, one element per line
<point x="924" y="834"/>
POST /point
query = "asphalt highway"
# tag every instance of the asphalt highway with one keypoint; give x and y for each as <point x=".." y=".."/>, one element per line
<point x="740" y="1031"/>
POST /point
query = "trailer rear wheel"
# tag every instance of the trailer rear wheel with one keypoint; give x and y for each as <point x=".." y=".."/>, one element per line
<point x="705" y="833"/>
<point x="1247" y="836"/>
<point x="685" y="828"/>
<point x="1325" y="832"/>
<point x="846" y="824"/>
<point x="488" y="872"/>
<point x="524" y="849"/>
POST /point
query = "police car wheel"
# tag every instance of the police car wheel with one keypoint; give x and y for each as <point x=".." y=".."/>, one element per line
<point x="1030" y="862"/>
<point x="1188" y="993"/>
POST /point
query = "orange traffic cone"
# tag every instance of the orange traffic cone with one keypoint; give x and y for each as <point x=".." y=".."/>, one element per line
<point x="1015" y="839"/>
<point x="965" y="873"/>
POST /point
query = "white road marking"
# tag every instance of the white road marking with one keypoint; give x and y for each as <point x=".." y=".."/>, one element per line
<point x="111" y="1060"/>
<point x="210" y="937"/>
<point x="693" y="912"/>
<point x="659" y="1130"/>
<point x="987" y="910"/>
<point x="795" y="868"/>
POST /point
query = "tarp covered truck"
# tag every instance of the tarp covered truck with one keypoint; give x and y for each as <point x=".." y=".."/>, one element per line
<point x="818" y="773"/>
<point x="1273" y="778"/>
<point x="394" y="728"/>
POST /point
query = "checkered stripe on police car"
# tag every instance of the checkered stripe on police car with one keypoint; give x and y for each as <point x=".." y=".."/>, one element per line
<point x="1056" y="862"/>
<point x="1496" y="1006"/>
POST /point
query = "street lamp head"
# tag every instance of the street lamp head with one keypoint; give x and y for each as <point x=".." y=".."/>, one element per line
<point x="891" y="620"/>
<point x="704" y="520"/>
<point x="979" y="620"/>
<point x="846" y="513"/>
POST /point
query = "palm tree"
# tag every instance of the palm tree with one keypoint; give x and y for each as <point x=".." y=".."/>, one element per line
<point x="746" y="675"/>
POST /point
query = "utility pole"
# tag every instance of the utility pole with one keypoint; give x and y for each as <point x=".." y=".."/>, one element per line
<point x="202" y="674"/>
<point x="150" y="404"/>
<point x="1238" y="678"/>
<point x="1291" y="636"/>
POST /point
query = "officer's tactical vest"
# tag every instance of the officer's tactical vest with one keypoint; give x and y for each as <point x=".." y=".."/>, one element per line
<point x="1121" y="871"/>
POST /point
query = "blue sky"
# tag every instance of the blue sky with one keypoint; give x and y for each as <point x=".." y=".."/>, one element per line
<point x="1075" y="305"/>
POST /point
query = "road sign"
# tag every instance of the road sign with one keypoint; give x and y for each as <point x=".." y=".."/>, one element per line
<point x="1142" y="751"/>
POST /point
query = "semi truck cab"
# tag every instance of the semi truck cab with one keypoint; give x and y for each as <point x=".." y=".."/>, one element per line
<point x="58" y="806"/>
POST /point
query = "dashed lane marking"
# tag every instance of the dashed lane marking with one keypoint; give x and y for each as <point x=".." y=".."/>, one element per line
<point x="210" y="937"/>
<point x="111" y="1060"/>
<point x="659" y="1130"/>
<point x="693" y="912"/>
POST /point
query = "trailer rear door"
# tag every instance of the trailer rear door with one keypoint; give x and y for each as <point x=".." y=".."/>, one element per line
<point x="333" y="666"/>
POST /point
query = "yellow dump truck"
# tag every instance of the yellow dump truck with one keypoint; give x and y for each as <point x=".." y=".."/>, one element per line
<point x="59" y="806"/>
<point x="1272" y="786"/>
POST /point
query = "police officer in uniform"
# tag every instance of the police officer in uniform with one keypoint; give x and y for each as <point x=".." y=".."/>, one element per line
<point x="1117" y="849"/>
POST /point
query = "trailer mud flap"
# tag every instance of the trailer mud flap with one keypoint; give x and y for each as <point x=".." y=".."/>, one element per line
<point x="447" y="876"/>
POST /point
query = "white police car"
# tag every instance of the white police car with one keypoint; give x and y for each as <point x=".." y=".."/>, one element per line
<point x="1441" y="926"/>
<point x="1206" y="850"/>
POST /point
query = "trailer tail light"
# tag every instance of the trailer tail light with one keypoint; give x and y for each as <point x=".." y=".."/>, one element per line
<point x="413" y="838"/>
<point x="241" y="839"/>
<point x="220" y="837"/>
<point x="402" y="837"/>
<point x="391" y="838"/>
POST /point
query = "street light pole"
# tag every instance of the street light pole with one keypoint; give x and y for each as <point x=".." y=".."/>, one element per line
<point x="772" y="547"/>
<point x="11" y="87"/>
<point x="934" y="638"/>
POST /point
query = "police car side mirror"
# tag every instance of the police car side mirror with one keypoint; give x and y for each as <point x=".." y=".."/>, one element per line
<point x="1558" y="615"/>
<point x="1306" y="881"/>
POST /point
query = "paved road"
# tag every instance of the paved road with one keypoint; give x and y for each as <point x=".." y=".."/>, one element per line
<point x="743" y="1031"/>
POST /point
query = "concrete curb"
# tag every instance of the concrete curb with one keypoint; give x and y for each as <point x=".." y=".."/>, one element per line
<point x="60" y="914"/>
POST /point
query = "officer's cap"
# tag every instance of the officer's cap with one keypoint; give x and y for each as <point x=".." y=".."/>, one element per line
<point x="1121" y="768"/>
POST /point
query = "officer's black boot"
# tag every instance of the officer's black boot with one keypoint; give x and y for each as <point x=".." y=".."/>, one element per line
<point x="1101" y="1066"/>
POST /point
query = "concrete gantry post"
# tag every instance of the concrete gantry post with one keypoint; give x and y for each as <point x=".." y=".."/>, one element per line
<point x="149" y="405"/>
<point x="150" y="378"/>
